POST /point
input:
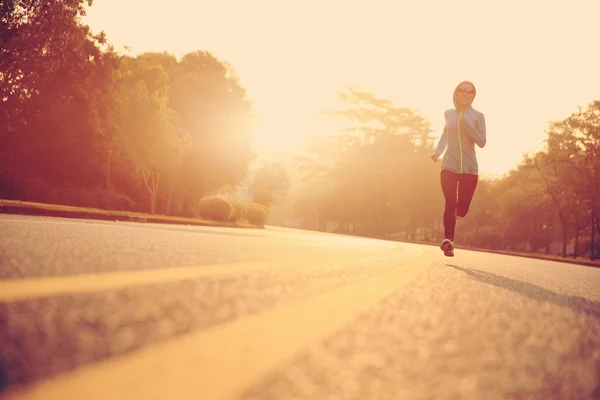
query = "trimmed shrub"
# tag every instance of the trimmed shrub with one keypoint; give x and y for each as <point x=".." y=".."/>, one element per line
<point x="216" y="208"/>
<point x="257" y="214"/>
<point x="238" y="211"/>
<point x="266" y="208"/>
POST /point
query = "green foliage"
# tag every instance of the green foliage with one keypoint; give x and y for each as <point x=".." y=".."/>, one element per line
<point x="257" y="214"/>
<point x="145" y="124"/>
<point x="216" y="208"/>
<point x="378" y="175"/>
<point x="378" y="178"/>
<point x="78" y="116"/>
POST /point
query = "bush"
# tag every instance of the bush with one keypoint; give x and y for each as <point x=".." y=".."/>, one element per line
<point x="257" y="214"/>
<point x="261" y="206"/>
<point x="238" y="211"/>
<point x="216" y="208"/>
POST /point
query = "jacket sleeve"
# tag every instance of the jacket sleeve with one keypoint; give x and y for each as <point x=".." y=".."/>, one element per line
<point x="477" y="134"/>
<point x="441" y="146"/>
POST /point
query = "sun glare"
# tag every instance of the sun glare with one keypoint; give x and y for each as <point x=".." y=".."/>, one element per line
<point x="293" y="70"/>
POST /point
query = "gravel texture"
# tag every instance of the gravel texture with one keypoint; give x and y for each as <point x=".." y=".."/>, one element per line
<point x="455" y="333"/>
<point x="42" y="337"/>
<point x="42" y="249"/>
<point x="478" y="326"/>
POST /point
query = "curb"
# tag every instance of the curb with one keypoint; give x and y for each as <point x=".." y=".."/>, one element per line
<point x="17" y="207"/>
<point x="594" y="264"/>
<point x="537" y="257"/>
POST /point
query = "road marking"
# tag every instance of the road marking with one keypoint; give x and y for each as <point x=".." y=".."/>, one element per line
<point x="220" y="363"/>
<point x="12" y="290"/>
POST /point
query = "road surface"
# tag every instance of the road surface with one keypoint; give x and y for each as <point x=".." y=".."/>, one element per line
<point x="118" y="310"/>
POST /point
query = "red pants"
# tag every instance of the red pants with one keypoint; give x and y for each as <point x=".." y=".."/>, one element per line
<point x="458" y="191"/>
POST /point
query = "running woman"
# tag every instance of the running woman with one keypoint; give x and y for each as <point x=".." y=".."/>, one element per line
<point x="464" y="128"/>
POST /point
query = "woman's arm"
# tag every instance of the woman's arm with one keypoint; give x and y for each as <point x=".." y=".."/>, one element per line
<point x="477" y="134"/>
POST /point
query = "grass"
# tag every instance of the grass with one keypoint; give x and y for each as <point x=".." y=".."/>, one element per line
<point x="43" y="209"/>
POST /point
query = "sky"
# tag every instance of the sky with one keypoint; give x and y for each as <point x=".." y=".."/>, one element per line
<point x="531" y="61"/>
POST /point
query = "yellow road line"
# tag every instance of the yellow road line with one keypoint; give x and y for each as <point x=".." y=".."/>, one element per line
<point x="220" y="363"/>
<point x="12" y="290"/>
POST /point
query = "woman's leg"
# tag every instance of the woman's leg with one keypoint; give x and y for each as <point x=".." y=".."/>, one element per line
<point x="449" y="180"/>
<point x="467" y="183"/>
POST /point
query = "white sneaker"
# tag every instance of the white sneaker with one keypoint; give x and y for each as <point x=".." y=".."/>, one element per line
<point x="448" y="248"/>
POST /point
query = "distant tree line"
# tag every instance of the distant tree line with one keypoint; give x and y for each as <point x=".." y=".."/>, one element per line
<point x="377" y="180"/>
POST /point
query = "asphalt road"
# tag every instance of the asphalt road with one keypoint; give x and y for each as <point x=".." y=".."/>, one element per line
<point x="99" y="310"/>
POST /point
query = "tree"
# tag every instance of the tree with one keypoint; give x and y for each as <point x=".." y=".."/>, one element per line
<point x="49" y="90"/>
<point x="558" y="191"/>
<point x="270" y="182"/>
<point x="573" y="152"/>
<point x="29" y="32"/>
<point x="213" y="109"/>
<point x="377" y="173"/>
<point x="553" y="193"/>
<point x="146" y="124"/>
<point x="86" y="126"/>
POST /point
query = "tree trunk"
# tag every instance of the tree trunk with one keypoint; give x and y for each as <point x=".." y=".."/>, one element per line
<point x="155" y="182"/>
<point x="576" y="243"/>
<point x="592" y="244"/>
<point x="169" y="199"/>
<point x="564" y="232"/>
<point x="153" y="203"/>
<point x="559" y="208"/>
<point x="108" y="171"/>
<point x="152" y="181"/>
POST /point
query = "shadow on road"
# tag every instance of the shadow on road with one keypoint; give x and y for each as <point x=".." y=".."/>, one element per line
<point x="579" y="304"/>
